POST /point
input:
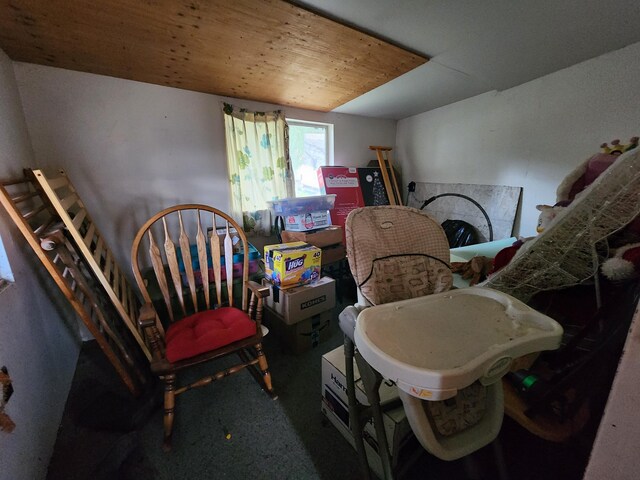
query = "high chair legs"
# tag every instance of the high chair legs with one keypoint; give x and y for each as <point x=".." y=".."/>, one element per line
<point x="359" y="414"/>
<point x="355" y="420"/>
<point x="371" y="381"/>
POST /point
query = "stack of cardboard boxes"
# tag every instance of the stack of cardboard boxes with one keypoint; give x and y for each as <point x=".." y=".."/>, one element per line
<point x="301" y="306"/>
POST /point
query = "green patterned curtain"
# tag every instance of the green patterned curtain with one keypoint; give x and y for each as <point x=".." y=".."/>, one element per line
<point x="258" y="158"/>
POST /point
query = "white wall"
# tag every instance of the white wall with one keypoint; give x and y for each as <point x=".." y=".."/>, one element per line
<point x="133" y="148"/>
<point x="38" y="341"/>
<point x="529" y="136"/>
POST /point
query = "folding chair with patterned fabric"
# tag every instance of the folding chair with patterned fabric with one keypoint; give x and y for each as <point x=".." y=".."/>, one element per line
<point x="198" y="290"/>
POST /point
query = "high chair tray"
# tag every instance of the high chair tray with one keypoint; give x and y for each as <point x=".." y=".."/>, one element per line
<point x="434" y="345"/>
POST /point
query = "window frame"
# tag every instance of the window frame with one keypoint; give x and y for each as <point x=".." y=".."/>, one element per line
<point x="329" y="141"/>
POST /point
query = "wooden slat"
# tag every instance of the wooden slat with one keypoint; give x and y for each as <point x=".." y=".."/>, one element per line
<point x="69" y="201"/>
<point x="45" y="226"/>
<point x="172" y="261"/>
<point x="158" y="268"/>
<point x="124" y="298"/>
<point x="13" y="181"/>
<point x="186" y="259"/>
<point x="34" y="212"/>
<point x="25" y="196"/>
<point x="95" y="311"/>
<point x="97" y="254"/>
<point x="79" y="218"/>
<point x="44" y="257"/>
<point x="88" y="238"/>
<point x="215" y="259"/>
<point x="56" y="183"/>
<point x="107" y="271"/>
<point x="196" y="46"/>
<point x="116" y="282"/>
<point x="202" y="261"/>
<point x="228" y="264"/>
<point x="131" y="304"/>
<point x="103" y="276"/>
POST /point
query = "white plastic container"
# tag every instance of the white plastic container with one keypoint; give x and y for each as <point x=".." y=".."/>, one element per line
<point x="433" y="346"/>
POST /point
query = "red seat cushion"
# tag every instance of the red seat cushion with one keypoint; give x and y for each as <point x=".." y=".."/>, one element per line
<point x="206" y="331"/>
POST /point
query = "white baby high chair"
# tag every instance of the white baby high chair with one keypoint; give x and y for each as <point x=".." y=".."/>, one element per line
<point x="454" y="345"/>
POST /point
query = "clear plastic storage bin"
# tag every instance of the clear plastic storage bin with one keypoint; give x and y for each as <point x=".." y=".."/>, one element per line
<point x="297" y="206"/>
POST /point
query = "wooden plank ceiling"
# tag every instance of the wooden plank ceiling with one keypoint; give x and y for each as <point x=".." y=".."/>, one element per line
<point x="264" y="50"/>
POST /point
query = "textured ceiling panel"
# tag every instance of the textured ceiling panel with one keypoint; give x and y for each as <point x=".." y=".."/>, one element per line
<point x="264" y="50"/>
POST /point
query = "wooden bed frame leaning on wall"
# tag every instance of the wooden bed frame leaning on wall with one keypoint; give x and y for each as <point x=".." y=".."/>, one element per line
<point x="66" y="241"/>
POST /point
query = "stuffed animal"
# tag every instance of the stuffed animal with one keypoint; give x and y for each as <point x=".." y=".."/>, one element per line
<point x="547" y="215"/>
<point x="626" y="262"/>
<point x="624" y="265"/>
<point x="475" y="270"/>
<point x="585" y="173"/>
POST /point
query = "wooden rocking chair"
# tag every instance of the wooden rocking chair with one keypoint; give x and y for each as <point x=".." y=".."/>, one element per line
<point x="189" y="290"/>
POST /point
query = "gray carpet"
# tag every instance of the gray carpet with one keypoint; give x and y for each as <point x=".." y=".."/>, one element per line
<point x="105" y="434"/>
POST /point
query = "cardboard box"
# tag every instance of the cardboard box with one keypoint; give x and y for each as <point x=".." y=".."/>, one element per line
<point x="297" y="303"/>
<point x="333" y="377"/>
<point x="307" y="221"/>
<point x="324" y="237"/>
<point x="333" y="254"/>
<point x="344" y="182"/>
<point x="291" y="264"/>
<point x="373" y="457"/>
<point x="334" y="405"/>
<point x="303" y="335"/>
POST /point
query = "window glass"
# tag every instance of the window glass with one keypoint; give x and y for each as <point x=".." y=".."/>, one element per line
<point x="310" y="147"/>
<point x="5" y="269"/>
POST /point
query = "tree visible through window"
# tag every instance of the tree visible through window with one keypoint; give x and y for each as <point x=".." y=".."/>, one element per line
<point x="310" y="146"/>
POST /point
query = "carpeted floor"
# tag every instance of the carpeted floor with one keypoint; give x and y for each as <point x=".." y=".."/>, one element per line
<point x="105" y="434"/>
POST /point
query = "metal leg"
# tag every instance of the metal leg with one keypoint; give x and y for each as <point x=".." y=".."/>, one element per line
<point x="355" y="420"/>
<point x="501" y="465"/>
<point x="372" y="381"/>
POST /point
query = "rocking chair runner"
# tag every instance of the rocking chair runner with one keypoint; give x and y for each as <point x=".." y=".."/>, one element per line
<point x="190" y="290"/>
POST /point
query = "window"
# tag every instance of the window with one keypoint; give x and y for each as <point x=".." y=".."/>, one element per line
<point x="310" y="147"/>
<point x="5" y="270"/>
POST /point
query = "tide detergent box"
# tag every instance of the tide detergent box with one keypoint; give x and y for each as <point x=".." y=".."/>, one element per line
<point x="291" y="264"/>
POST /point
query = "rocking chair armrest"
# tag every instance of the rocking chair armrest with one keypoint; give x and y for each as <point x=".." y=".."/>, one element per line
<point x="147" y="321"/>
<point x="258" y="290"/>
<point x="147" y="317"/>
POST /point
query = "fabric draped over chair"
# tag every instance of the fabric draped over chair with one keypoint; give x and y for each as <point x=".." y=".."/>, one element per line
<point x="259" y="166"/>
